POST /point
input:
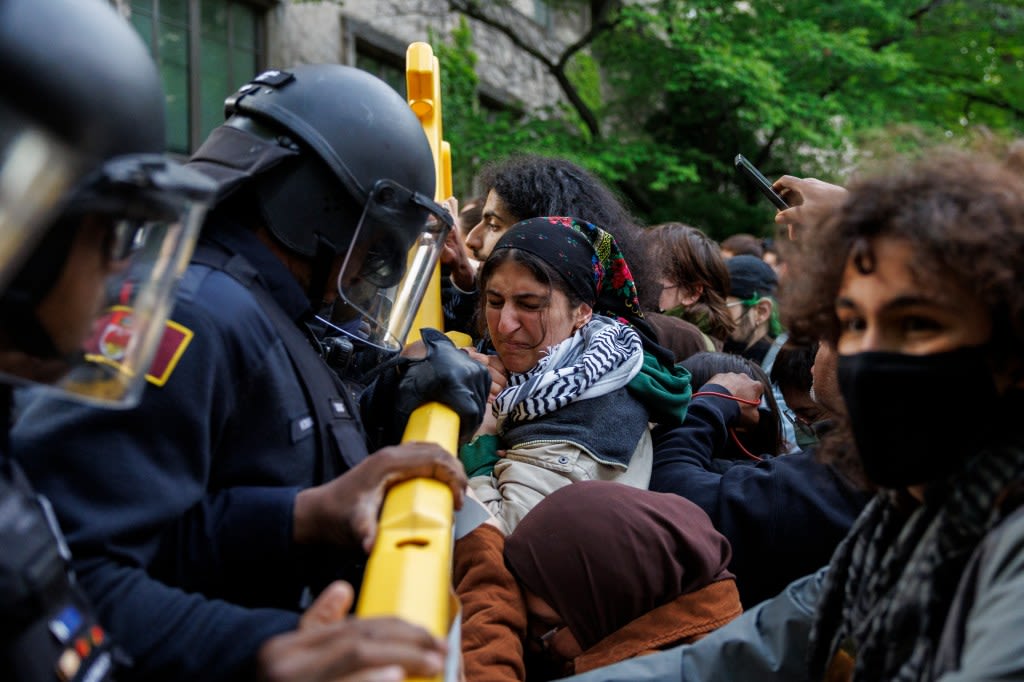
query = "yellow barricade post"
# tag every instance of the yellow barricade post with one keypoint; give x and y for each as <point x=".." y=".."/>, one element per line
<point x="409" y="570"/>
<point x="423" y="84"/>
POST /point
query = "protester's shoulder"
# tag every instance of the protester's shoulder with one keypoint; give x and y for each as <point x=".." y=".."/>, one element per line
<point x="1002" y="550"/>
<point x="995" y="582"/>
<point x="681" y="337"/>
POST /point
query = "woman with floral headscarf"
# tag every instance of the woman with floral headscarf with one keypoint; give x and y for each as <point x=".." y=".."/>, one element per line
<point x="577" y="376"/>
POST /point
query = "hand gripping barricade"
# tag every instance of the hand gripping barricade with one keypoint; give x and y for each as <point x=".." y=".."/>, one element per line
<point x="409" y="570"/>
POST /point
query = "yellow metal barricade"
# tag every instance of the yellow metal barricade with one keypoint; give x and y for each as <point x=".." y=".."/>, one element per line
<point x="409" y="571"/>
<point x="423" y="84"/>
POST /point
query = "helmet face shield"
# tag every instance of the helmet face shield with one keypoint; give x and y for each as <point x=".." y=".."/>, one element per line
<point x="36" y="173"/>
<point x="377" y="304"/>
<point x="143" y="215"/>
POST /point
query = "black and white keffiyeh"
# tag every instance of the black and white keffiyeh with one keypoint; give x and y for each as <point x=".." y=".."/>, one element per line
<point x="890" y="583"/>
<point x="601" y="357"/>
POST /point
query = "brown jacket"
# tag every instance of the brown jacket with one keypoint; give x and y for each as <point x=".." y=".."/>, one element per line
<point x="681" y="337"/>
<point x="494" y="616"/>
<point x="493" y="612"/>
<point x="684" y="620"/>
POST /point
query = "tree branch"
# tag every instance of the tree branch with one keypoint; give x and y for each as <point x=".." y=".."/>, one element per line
<point x="974" y="96"/>
<point x="883" y="43"/>
<point x="914" y="16"/>
<point x="599" y="23"/>
<point x="762" y="155"/>
<point x="556" y="68"/>
<point x="473" y="10"/>
<point x="992" y="102"/>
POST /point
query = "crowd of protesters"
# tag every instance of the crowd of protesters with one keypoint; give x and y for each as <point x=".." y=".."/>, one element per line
<point x="789" y="458"/>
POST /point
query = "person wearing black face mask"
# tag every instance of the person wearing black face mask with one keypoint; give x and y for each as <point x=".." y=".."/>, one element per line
<point x="926" y="305"/>
<point x="915" y="281"/>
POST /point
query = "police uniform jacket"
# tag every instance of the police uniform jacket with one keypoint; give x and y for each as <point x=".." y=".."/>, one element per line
<point x="179" y="511"/>
<point x="49" y="631"/>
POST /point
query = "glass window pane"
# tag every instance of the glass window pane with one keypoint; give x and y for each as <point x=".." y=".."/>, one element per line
<point x="244" y="66"/>
<point x="214" y="84"/>
<point x="143" y="23"/>
<point x="172" y="57"/>
<point x="390" y="73"/>
<point x="228" y="57"/>
<point x="174" y="11"/>
<point x="243" y="26"/>
<point x="227" y="63"/>
<point x="214" y="19"/>
<point x="176" y="89"/>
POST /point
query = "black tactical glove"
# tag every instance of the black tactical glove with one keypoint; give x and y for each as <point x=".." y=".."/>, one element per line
<point x="446" y="375"/>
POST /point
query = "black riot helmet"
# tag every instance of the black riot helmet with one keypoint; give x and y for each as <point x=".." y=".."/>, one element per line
<point x="82" y="171"/>
<point x="339" y="165"/>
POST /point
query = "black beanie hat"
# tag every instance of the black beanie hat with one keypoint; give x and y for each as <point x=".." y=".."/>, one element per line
<point x="750" y="275"/>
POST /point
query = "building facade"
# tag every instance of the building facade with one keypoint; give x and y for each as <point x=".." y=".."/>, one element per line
<point x="207" y="48"/>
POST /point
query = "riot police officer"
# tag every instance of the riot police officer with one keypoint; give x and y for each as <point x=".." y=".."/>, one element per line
<point x="243" y="474"/>
<point x="91" y="216"/>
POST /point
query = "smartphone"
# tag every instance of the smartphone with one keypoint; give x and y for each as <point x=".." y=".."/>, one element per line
<point x="750" y="171"/>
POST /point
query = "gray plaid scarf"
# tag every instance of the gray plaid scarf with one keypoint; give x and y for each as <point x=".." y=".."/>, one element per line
<point x="892" y="580"/>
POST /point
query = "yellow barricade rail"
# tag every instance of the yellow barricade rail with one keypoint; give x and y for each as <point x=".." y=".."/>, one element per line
<point x="408" y="574"/>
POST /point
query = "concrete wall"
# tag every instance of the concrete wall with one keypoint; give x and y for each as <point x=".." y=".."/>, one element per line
<point x="324" y="30"/>
<point x="304" y="33"/>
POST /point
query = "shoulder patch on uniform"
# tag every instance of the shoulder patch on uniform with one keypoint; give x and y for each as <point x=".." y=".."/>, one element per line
<point x="172" y="346"/>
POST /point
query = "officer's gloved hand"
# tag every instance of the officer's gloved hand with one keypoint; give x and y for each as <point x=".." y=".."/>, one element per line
<point x="445" y="375"/>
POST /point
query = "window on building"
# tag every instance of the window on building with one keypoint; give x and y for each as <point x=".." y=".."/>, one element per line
<point x="386" y="66"/>
<point x="205" y="49"/>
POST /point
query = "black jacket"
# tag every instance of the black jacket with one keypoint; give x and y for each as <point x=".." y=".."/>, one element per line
<point x="784" y="516"/>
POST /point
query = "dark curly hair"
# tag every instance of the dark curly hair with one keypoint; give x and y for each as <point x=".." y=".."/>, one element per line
<point x="964" y="214"/>
<point x="686" y="256"/>
<point x="532" y="186"/>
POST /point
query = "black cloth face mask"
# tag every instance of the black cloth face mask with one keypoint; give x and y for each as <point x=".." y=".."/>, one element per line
<point x="917" y="418"/>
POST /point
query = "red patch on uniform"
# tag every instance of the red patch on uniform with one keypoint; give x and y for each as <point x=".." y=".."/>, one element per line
<point x="112" y="334"/>
<point x="172" y="346"/>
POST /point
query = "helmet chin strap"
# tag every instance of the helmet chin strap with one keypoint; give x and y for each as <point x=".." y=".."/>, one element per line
<point x="323" y="262"/>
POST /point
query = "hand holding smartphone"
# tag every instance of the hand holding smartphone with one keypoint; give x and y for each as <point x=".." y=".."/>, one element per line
<point x="750" y="171"/>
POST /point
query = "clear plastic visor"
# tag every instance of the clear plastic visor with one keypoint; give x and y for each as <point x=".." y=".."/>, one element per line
<point x="399" y="232"/>
<point x="138" y="224"/>
<point x="36" y="173"/>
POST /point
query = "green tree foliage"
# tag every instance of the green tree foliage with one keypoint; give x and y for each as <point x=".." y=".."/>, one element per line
<point x="678" y="87"/>
<point x="463" y="123"/>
